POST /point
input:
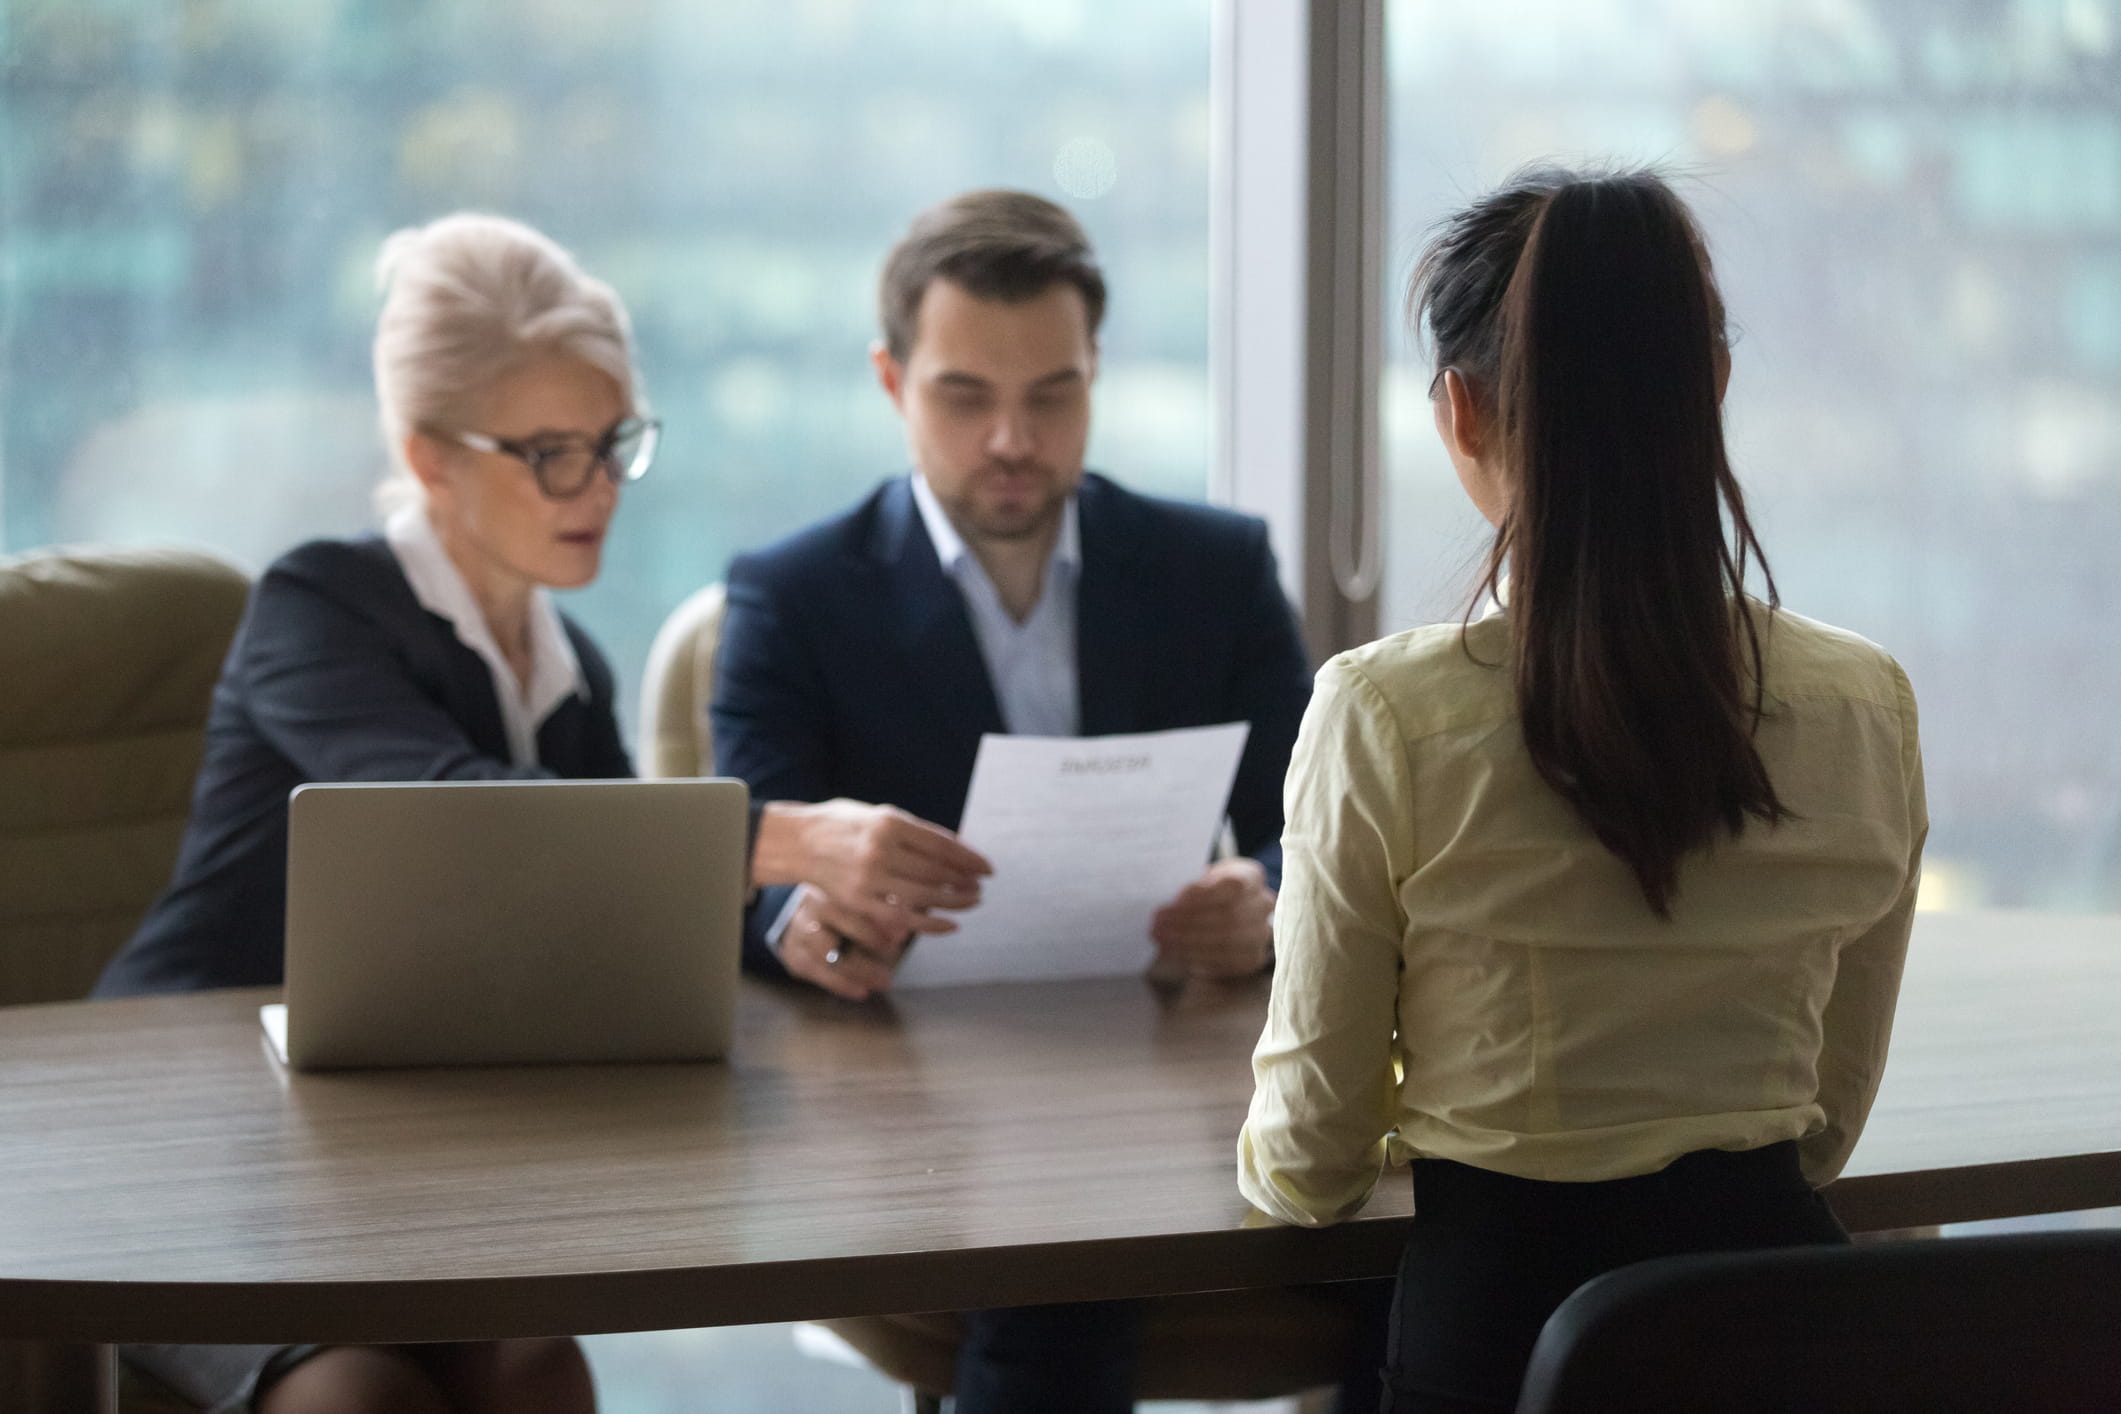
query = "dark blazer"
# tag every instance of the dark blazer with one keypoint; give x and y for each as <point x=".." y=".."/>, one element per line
<point x="848" y="665"/>
<point x="336" y="674"/>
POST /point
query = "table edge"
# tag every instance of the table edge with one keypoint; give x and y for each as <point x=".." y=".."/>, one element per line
<point x="670" y="1298"/>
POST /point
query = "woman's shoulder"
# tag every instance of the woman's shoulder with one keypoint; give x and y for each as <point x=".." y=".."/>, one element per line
<point x="1434" y="678"/>
<point x="359" y="570"/>
<point x="353" y="561"/>
<point x="1806" y="657"/>
<point x="323" y="585"/>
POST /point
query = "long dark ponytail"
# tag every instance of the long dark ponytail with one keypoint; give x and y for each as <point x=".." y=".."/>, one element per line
<point x="1582" y="314"/>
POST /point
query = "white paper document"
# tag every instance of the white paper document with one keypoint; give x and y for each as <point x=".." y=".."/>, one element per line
<point x="1088" y="837"/>
<point x="273" y="1017"/>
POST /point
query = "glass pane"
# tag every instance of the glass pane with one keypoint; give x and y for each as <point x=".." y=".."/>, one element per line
<point x="1915" y="210"/>
<point x="191" y="197"/>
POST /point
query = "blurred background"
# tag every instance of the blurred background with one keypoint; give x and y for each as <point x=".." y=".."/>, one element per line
<point x="1915" y="209"/>
<point x="1914" y="206"/>
<point x="1915" y="212"/>
<point x="192" y="193"/>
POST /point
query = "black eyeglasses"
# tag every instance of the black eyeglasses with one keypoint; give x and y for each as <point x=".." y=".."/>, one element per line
<point x="565" y="465"/>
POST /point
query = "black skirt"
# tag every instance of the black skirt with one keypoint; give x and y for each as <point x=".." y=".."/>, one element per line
<point x="1491" y="1256"/>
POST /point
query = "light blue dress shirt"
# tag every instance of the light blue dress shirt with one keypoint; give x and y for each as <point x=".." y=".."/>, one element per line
<point x="1031" y="664"/>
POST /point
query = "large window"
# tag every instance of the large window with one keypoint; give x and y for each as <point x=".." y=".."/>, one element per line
<point x="1915" y="210"/>
<point x="191" y="195"/>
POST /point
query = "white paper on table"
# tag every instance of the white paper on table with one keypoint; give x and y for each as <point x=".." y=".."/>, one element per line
<point x="1088" y="837"/>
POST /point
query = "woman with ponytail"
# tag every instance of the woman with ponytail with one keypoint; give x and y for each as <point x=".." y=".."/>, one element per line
<point x="1594" y="907"/>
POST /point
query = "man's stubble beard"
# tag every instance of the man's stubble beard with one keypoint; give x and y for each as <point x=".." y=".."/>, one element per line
<point x="1043" y="520"/>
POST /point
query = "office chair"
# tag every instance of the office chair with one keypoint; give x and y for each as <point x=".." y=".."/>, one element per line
<point x="676" y="738"/>
<point x="109" y="658"/>
<point x="2026" y="1323"/>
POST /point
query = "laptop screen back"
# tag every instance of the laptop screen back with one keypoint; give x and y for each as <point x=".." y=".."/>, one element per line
<point x="446" y="923"/>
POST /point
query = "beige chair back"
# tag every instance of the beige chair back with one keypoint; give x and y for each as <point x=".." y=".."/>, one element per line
<point x="108" y="660"/>
<point x="676" y="739"/>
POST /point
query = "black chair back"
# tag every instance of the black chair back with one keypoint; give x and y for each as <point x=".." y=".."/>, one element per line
<point x="2022" y="1324"/>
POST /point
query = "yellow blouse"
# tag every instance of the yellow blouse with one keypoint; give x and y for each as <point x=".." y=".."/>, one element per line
<point x="1464" y="972"/>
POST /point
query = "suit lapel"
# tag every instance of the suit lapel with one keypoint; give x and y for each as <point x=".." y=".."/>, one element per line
<point x="457" y="671"/>
<point x="928" y="615"/>
<point x="478" y="704"/>
<point x="1109" y="619"/>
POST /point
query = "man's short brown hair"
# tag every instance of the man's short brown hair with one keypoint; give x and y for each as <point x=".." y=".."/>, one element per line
<point x="1001" y="245"/>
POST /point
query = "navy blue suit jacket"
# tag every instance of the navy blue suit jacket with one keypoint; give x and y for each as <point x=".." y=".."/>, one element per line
<point x="848" y="665"/>
<point x="336" y="674"/>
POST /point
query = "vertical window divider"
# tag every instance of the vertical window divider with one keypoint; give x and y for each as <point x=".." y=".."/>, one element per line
<point x="1296" y="243"/>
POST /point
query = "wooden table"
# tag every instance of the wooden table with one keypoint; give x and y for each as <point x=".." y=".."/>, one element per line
<point x="162" y="1179"/>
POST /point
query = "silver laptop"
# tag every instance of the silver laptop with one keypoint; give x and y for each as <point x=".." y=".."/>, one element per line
<point x="466" y="923"/>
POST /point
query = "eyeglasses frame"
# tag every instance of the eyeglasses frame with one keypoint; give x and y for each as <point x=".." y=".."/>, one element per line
<point x="535" y="457"/>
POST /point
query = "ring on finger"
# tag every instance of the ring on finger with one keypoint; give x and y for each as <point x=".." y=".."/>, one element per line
<point x="832" y="958"/>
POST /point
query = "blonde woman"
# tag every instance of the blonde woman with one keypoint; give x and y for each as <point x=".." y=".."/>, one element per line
<point x="434" y="652"/>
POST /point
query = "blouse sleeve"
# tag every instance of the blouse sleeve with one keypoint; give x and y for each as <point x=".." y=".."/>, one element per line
<point x="1325" y="1100"/>
<point x="1859" y="1012"/>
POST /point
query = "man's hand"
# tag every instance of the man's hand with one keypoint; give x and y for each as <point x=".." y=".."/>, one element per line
<point x="883" y="872"/>
<point x="812" y="948"/>
<point x="1221" y="924"/>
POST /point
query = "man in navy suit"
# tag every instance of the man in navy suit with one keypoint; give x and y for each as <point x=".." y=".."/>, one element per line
<point x="1000" y="587"/>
